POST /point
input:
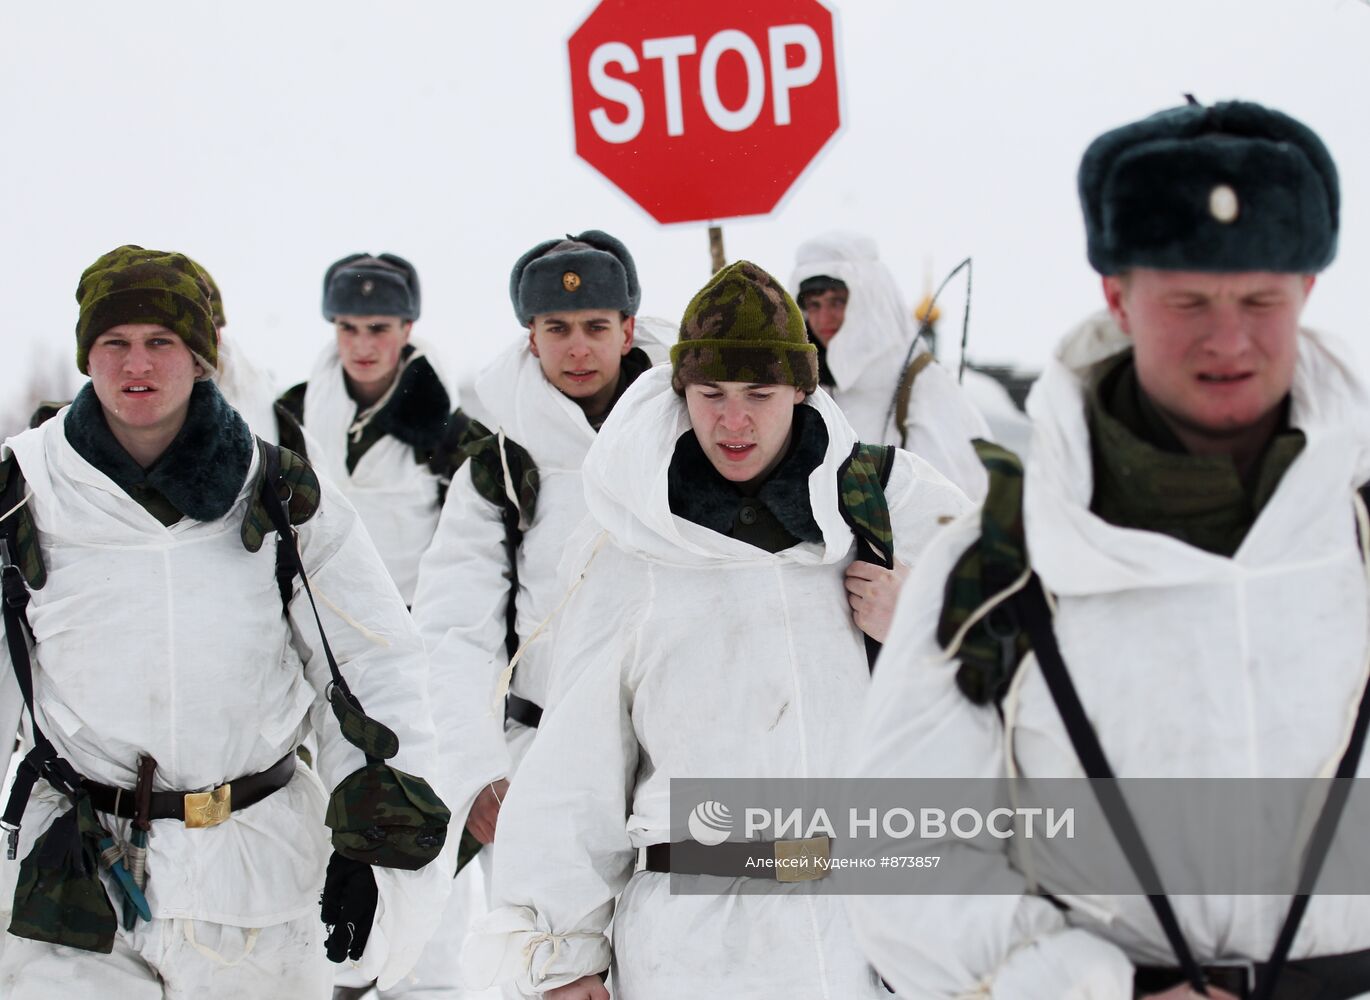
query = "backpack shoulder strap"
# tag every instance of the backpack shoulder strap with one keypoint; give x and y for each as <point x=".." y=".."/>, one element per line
<point x="861" y="483"/>
<point x="280" y="473"/>
<point x="905" y="394"/>
<point x="45" y="411"/>
<point x="297" y="482"/>
<point x="17" y="528"/>
<point x="293" y="401"/>
<point x="991" y="650"/>
<point x="289" y="431"/>
<point x="18" y="535"/>
<point x="449" y="453"/>
<point x="505" y="475"/>
<point x="502" y="471"/>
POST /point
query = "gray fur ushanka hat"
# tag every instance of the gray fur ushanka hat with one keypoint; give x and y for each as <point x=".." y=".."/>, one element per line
<point x="589" y="271"/>
<point x="364" y="285"/>
<point x="1231" y="187"/>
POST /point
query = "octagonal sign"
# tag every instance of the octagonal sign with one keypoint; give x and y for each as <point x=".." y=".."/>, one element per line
<point x="705" y="110"/>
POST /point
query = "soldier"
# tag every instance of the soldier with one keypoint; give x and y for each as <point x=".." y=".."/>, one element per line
<point x="375" y="403"/>
<point x="709" y="639"/>
<point x="167" y="692"/>
<point x="864" y="333"/>
<point x="1191" y="503"/>
<point x="490" y="578"/>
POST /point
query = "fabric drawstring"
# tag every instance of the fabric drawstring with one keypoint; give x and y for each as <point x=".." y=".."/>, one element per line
<point x="372" y="637"/>
<point x="509" y="490"/>
<point x="365" y="417"/>
<point x="15" y="509"/>
<point x="530" y="950"/>
<point x="506" y="675"/>
<point x="953" y="647"/>
<point x="250" y="942"/>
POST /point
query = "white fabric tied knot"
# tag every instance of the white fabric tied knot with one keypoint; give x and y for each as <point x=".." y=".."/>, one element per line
<point x="530" y="950"/>
<point x="503" y="948"/>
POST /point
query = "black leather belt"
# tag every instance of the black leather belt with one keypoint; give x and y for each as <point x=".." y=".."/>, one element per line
<point x="206" y="808"/>
<point x="522" y="710"/>
<point x="779" y="860"/>
<point x="1326" y="977"/>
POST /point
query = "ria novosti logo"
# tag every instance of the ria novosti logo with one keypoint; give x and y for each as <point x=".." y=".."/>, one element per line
<point x="710" y="823"/>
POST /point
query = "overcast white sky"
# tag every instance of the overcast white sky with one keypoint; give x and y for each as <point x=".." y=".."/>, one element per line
<point x="268" y="139"/>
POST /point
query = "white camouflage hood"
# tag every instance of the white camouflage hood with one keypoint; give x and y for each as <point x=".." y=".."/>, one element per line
<point x="878" y="325"/>
<point x="627" y="491"/>
<point x="1077" y="552"/>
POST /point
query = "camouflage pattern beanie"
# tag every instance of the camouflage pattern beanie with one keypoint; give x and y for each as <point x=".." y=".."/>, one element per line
<point x="216" y="298"/>
<point x="133" y="285"/>
<point x="743" y="327"/>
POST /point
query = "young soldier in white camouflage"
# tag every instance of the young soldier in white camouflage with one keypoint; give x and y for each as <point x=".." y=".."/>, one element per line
<point x="1192" y="505"/>
<point x="168" y="687"/>
<point x="490" y="578"/>
<point x="710" y="639"/>
<point x="375" y="403"/>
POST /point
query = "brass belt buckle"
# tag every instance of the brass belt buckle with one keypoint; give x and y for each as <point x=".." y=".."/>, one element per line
<point x="211" y="808"/>
<point x="801" y="860"/>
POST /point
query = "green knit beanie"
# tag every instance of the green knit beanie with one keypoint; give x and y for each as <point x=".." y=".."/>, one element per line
<point x="133" y="285"/>
<point x="744" y="327"/>
<point x="216" y="299"/>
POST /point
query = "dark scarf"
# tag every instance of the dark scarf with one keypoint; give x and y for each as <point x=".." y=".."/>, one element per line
<point x="699" y="494"/>
<point x="416" y="413"/>
<point x="634" y="363"/>
<point x="1144" y="478"/>
<point x="199" y="475"/>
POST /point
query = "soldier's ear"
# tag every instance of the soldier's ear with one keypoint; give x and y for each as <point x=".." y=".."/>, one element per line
<point x="629" y="329"/>
<point x="532" y="341"/>
<point x="1115" y="295"/>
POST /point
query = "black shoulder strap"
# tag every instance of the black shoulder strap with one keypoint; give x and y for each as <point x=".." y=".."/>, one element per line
<point x="272" y="483"/>
<point x="1031" y="606"/>
<point x="1320" y="841"/>
<point x="42" y="760"/>
<point x="1035" y="615"/>
<point x="487" y="455"/>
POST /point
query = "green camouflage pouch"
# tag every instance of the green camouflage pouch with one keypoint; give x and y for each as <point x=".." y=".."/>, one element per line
<point x="382" y="816"/>
<point x="378" y="814"/>
<point x="60" y="898"/>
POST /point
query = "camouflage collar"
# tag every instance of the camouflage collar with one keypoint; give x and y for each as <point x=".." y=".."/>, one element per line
<point x="1144" y="479"/>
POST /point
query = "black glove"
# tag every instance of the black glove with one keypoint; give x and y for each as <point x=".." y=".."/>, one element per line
<point x="347" y="907"/>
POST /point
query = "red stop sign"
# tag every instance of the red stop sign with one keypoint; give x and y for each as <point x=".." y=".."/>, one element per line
<point x="708" y="109"/>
